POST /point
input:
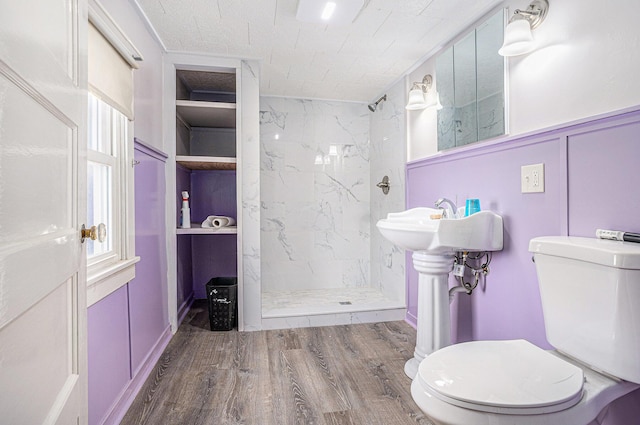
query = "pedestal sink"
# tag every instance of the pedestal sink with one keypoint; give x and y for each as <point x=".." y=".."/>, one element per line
<point x="434" y="243"/>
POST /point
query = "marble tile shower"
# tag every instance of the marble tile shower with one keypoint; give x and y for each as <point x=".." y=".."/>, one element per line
<point x="388" y="157"/>
<point x="315" y="194"/>
<point x="316" y="205"/>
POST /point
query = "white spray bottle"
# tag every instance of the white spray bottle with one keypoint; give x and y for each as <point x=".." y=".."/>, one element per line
<point x="185" y="219"/>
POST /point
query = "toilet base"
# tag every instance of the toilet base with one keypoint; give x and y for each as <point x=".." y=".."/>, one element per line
<point x="411" y="367"/>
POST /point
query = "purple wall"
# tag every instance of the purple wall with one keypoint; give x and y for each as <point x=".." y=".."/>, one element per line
<point x="201" y="257"/>
<point x="148" y="291"/>
<point x="214" y="193"/>
<point x="604" y="171"/>
<point x="213" y="256"/>
<point x="129" y="328"/>
<point x="509" y="306"/>
<point x="108" y="351"/>
<point x="591" y="181"/>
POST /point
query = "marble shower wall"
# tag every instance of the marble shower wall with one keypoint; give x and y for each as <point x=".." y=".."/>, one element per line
<point x="315" y="194"/>
<point x="388" y="157"/>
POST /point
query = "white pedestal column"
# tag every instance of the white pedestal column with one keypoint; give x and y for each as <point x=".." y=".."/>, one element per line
<point x="434" y="322"/>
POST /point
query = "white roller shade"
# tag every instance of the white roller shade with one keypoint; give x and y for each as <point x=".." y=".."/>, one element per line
<point x="110" y="76"/>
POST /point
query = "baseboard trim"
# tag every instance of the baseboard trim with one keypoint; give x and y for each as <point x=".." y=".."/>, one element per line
<point x="184" y="309"/>
<point x="129" y="393"/>
<point x="411" y="319"/>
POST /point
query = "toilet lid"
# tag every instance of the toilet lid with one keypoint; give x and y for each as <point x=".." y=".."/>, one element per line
<point x="498" y="375"/>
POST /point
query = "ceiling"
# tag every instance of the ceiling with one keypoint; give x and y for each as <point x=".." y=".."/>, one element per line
<point x="354" y="62"/>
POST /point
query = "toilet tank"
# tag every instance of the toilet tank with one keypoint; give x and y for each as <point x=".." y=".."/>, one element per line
<point x="590" y="291"/>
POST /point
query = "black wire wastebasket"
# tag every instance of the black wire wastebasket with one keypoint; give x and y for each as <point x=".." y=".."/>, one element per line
<point x="222" y="294"/>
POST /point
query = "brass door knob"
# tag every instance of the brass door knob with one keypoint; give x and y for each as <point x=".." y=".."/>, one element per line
<point x="98" y="233"/>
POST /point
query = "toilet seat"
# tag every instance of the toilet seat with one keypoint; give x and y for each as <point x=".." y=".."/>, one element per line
<point x="506" y="377"/>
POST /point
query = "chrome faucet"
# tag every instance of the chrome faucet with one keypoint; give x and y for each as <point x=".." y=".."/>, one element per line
<point x="451" y="210"/>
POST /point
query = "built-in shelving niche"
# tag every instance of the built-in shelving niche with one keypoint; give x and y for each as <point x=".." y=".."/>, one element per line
<point x="205" y="120"/>
<point x="205" y="166"/>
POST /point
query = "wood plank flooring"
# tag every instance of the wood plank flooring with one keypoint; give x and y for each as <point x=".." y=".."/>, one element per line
<point x="335" y="375"/>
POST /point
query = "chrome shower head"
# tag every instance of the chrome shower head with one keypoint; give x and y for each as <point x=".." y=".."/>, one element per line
<point x="372" y="106"/>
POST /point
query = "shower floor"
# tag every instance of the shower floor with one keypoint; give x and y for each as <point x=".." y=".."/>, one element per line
<point x="325" y="301"/>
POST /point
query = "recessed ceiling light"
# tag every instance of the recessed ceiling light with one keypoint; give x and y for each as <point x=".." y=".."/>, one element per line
<point x="328" y="10"/>
<point x="337" y="12"/>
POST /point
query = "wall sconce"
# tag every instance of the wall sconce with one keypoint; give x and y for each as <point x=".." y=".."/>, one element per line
<point x="421" y="96"/>
<point x="518" y="39"/>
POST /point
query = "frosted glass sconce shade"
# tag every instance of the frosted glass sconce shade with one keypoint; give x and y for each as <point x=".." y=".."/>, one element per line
<point x="518" y="38"/>
<point x="416" y="99"/>
<point x="433" y="100"/>
<point x="421" y="96"/>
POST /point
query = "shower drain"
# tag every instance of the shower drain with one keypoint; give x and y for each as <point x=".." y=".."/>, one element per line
<point x="344" y="302"/>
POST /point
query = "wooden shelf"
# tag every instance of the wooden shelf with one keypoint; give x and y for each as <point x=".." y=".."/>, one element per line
<point x="206" y="162"/>
<point x="207" y="114"/>
<point x="197" y="229"/>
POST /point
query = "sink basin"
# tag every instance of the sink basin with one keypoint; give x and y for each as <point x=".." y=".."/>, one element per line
<point x="434" y="242"/>
<point x="414" y="230"/>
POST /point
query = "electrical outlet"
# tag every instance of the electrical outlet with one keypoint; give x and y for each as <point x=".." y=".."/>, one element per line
<point x="532" y="178"/>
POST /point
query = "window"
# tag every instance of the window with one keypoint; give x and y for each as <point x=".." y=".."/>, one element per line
<point x="107" y="135"/>
<point x="110" y="264"/>
<point x="111" y="61"/>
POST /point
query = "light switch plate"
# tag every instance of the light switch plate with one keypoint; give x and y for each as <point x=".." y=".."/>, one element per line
<point x="532" y="178"/>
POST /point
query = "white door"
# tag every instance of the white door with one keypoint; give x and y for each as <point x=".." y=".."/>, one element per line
<point x="42" y="207"/>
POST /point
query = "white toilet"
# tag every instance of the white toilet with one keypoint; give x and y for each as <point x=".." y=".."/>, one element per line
<point x="590" y="291"/>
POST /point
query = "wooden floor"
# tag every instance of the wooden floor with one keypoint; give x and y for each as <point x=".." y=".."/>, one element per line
<point x="323" y="376"/>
